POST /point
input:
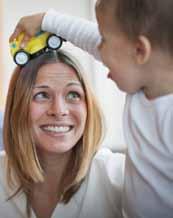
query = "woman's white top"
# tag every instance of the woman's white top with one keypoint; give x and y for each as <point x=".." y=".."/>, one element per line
<point x="99" y="195"/>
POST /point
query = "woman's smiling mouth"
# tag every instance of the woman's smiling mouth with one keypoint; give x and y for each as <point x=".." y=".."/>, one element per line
<point x="57" y="128"/>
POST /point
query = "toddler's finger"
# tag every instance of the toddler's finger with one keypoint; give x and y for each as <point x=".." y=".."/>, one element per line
<point x="14" y="35"/>
<point x="25" y="40"/>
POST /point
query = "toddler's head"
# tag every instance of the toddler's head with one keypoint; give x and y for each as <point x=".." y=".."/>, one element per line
<point x="131" y="30"/>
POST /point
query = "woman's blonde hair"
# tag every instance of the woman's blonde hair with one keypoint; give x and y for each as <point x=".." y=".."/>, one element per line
<point x="23" y="166"/>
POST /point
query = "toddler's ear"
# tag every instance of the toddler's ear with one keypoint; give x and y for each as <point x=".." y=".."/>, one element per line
<point x="143" y="50"/>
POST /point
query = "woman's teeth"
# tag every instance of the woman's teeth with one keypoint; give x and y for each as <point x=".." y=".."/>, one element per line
<point x="57" y="129"/>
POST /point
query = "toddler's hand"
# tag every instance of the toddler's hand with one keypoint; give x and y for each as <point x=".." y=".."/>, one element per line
<point x="29" y="25"/>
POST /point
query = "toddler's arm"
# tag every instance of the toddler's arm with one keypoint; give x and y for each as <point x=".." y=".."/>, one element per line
<point x="82" y="33"/>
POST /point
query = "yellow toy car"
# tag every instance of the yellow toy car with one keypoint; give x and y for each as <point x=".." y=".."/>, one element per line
<point x="38" y="44"/>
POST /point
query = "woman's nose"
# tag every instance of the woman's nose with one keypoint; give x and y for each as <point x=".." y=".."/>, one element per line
<point x="58" y="107"/>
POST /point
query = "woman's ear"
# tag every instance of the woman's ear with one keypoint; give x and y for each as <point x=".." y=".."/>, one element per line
<point x="143" y="50"/>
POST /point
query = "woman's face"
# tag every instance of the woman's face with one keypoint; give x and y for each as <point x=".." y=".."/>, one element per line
<point x="58" y="108"/>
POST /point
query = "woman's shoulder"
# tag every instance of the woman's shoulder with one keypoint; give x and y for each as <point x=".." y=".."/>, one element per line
<point x="2" y="166"/>
<point x="2" y="158"/>
<point x="109" y="166"/>
<point x="2" y="153"/>
<point x="106" y="153"/>
<point x="110" y="161"/>
<point x="104" y="184"/>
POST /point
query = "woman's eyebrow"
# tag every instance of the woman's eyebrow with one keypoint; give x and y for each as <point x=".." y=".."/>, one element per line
<point x="41" y="87"/>
<point x="74" y="83"/>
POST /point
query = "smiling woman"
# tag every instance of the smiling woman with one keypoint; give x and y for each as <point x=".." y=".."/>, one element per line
<point x="52" y="130"/>
<point x="58" y="109"/>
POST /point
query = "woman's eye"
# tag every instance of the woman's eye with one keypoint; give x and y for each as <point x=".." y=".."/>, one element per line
<point x="73" y="96"/>
<point x="40" y="96"/>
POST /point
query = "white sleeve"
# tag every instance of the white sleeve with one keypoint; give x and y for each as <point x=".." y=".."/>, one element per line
<point x="82" y="33"/>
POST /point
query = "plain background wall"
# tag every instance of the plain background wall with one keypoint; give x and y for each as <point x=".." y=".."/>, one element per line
<point x="112" y="100"/>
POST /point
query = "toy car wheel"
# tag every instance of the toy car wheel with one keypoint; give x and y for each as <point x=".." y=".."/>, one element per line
<point x="21" y="58"/>
<point x="54" y="42"/>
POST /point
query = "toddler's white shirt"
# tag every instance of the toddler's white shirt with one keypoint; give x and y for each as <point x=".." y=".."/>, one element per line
<point x="148" y="129"/>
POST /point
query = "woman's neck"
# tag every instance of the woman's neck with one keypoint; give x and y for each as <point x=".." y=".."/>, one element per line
<point x="53" y="166"/>
<point x="46" y="195"/>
